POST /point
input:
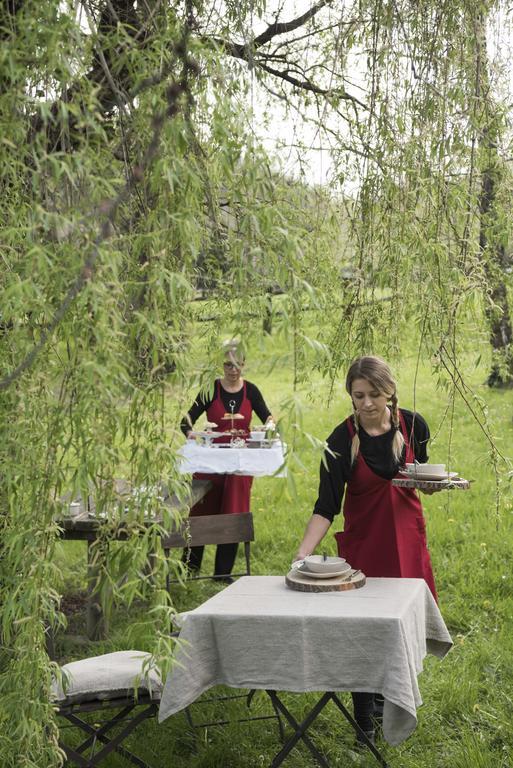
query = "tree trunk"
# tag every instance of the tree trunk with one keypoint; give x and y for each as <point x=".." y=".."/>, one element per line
<point x="491" y="237"/>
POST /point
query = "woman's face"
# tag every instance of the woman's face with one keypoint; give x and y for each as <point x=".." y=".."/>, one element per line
<point x="367" y="400"/>
<point x="233" y="368"/>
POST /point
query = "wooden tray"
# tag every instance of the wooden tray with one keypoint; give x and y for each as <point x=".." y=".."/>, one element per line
<point x="302" y="583"/>
<point x="431" y="485"/>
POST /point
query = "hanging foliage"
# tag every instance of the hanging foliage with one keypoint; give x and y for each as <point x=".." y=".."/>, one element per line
<point x="133" y="181"/>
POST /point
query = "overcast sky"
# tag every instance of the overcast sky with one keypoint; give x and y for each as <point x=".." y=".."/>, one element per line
<point x="284" y="133"/>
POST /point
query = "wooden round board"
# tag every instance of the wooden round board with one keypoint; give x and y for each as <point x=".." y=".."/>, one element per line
<point x="302" y="583"/>
<point x="431" y="485"/>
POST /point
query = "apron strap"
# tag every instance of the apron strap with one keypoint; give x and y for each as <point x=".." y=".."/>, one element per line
<point x="407" y="437"/>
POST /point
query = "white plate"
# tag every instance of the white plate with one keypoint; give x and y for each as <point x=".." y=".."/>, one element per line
<point x="331" y="575"/>
<point x="426" y="476"/>
<point x="200" y="433"/>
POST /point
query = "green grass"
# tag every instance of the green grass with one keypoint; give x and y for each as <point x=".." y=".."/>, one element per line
<point x="468" y="697"/>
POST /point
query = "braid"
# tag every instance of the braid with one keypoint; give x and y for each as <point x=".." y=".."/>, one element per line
<point x="398" y="439"/>
<point x="355" y="442"/>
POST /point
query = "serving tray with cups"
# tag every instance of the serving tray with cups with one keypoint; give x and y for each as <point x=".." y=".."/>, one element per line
<point x="262" y="437"/>
<point x="318" y="573"/>
<point x="429" y="477"/>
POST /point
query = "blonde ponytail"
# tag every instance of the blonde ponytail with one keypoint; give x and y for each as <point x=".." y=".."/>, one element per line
<point x="398" y="439"/>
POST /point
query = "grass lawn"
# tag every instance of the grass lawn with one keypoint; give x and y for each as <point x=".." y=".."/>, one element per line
<point x="465" y="719"/>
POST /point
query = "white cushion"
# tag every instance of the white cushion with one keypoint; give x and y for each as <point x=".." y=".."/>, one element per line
<point x="110" y="676"/>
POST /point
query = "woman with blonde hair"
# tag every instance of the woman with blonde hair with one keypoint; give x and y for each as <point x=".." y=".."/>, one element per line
<point x="384" y="530"/>
<point x="234" y="396"/>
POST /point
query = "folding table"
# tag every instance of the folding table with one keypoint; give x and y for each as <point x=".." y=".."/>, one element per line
<point x="258" y="634"/>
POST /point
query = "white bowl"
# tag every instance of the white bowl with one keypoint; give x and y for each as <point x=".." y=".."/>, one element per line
<point x="318" y="564"/>
<point x="427" y="469"/>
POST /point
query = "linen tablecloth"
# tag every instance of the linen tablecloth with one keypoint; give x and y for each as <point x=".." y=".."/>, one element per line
<point x="257" y="462"/>
<point x="257" y="633"/>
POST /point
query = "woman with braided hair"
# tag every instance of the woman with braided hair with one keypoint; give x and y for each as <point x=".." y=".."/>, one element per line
<point x="384" y="530"/>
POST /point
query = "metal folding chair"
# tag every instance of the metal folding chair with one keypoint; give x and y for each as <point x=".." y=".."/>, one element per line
<point x="115" y="685"/>
<point x="248" y="697"/>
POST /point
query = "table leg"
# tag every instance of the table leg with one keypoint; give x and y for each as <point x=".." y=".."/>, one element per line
<point x="95" y="620"/>
<point x="299" y="729"/>
<point x="358" y="730"/>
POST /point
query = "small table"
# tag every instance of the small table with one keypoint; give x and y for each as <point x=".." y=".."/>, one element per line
<point x="225" y="460"/>
<point x="258" y="634"/>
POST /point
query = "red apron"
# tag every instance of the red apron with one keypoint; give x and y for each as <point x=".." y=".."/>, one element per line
<point x="384" y="528"/>
<point x="230" y="493"/>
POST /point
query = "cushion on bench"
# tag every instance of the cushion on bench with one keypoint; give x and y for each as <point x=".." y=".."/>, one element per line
<point x="109" y="676"/>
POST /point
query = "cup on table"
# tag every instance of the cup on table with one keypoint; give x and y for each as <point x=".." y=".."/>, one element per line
<point x="75" y="508"/>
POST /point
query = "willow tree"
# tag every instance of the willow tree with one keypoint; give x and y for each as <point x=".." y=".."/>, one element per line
<point x="416" y="113"/>
<point x="130" y="177"/>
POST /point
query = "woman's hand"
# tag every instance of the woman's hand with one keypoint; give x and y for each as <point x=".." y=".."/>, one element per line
<point x="315" y="532"/>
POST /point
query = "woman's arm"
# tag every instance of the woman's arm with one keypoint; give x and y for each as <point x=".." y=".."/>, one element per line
<point x="315" y="532"/>
<point x="199" y="406"/>
<point x="333" y="474"/>
<point x="257" y="402"/>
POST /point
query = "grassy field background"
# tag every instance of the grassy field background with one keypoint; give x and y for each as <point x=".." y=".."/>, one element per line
<point x="465" y="721"/>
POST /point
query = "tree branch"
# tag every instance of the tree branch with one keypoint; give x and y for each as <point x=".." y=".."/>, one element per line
<point x="306" y="85"/>
<point x="280" y="28"/>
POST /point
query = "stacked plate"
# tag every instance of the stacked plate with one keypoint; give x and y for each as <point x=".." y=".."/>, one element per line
<point x="321" y="567"/>
<point x="428" y="472"/>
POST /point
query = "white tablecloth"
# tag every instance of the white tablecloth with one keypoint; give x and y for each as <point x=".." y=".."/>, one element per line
<point x="241" y="461"/>
<point x="257" y="633"/>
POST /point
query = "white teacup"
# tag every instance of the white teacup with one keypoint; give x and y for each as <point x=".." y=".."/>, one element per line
<point x="75" y="509"/>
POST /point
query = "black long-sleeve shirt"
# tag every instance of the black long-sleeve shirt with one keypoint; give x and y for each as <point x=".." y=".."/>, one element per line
<point x="202" y="402"/>
<point x="377" y="452"/>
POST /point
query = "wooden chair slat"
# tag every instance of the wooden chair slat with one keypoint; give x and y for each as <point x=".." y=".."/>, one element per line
<point x="212" y="529"/>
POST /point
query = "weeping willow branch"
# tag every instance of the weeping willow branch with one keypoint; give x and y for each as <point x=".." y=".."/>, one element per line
<point x="463" y="391"/>
<point x="109" y="209"/>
